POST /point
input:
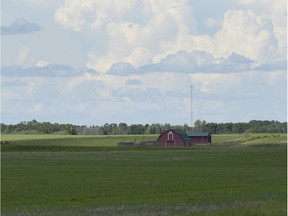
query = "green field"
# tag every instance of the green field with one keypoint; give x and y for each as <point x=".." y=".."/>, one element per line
<point x="88" y="175"/>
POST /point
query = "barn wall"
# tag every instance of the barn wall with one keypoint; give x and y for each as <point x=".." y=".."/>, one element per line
<point x="200" y="140"/>
<point x="165" y="142"/>
<point x="162" y="139"/>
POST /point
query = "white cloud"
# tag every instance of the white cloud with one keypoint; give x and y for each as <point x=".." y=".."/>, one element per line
<point x="247" y="34"/>
<point x="145" y="32"/>
<point x="121" y="68"/>
<point x="72" y="13"/>
<point x="42" y="63"/>
<point x="200" y="61"/>
<point x="276" y="9"/>
<point x="140" y="56"/>
<point x="100" y="63"/>
<point x="92" y="14"/>
<point x="23" y="55"/>
<point x="210" y="22"/>
<point x="135" y="30"/>
<point x="277" y="12"/>
<point x="281" y="35"/>
<point x="242" y="32"/>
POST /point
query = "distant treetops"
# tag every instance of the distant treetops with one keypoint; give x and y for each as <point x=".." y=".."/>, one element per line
<point x="35" y="127"/>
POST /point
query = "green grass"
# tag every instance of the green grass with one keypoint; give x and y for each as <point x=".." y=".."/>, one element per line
<point x="70" y="140"/>
<point x="105" y="141"/>
<point x="249" y="138"/>
<point x="74" y="176"/>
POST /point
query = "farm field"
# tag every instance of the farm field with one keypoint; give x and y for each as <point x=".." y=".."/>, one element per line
<point x="112" y="140"/>
<point x="88" y="175"/>
<point x="73" y="140"/>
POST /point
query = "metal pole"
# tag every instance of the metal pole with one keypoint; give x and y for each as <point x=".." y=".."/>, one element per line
<point x="191" y="106"/>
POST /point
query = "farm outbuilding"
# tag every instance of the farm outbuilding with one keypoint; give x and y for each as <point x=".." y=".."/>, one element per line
<point x="201" y="138"/>
<point x="178" y="138"/>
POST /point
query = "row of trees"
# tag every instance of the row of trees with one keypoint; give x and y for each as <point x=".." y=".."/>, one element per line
<point x="253" y="126"/>
<point x="35" y="127"/>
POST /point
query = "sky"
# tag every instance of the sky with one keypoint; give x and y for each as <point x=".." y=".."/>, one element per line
<point x="92" y="62"/>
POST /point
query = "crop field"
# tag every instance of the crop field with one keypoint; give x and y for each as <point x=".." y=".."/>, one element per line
<point x="89" y="175"/>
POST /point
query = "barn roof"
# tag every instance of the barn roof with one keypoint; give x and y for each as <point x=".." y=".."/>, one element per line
<point x="181" y="133"/>
<point x="194" y="134"/>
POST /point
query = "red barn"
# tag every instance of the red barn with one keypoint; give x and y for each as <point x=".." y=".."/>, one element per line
<point x="173" y="138"/>
<point x="202" y="138"/>
<point x="178" y="138"/>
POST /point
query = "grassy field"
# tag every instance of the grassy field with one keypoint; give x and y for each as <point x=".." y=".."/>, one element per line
<point x="70" y="140"/>
<point x="110" y="141"/>
<point x="88" y="175"/>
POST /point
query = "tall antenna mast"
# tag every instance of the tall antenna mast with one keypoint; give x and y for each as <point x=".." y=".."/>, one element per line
<point x="191" y="106"/>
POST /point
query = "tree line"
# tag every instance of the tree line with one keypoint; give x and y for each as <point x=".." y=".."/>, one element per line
<point x="35" y="127"/>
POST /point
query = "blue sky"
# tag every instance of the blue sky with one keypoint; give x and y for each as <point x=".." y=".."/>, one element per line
<point x="95" y="61"/>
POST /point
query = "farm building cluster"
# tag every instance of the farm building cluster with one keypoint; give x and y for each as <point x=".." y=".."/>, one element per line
<point x="175" y="138"/>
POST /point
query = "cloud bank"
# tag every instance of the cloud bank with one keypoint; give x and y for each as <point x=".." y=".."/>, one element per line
<point x="148" y="32"/>
<point x="111" y="61"/>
